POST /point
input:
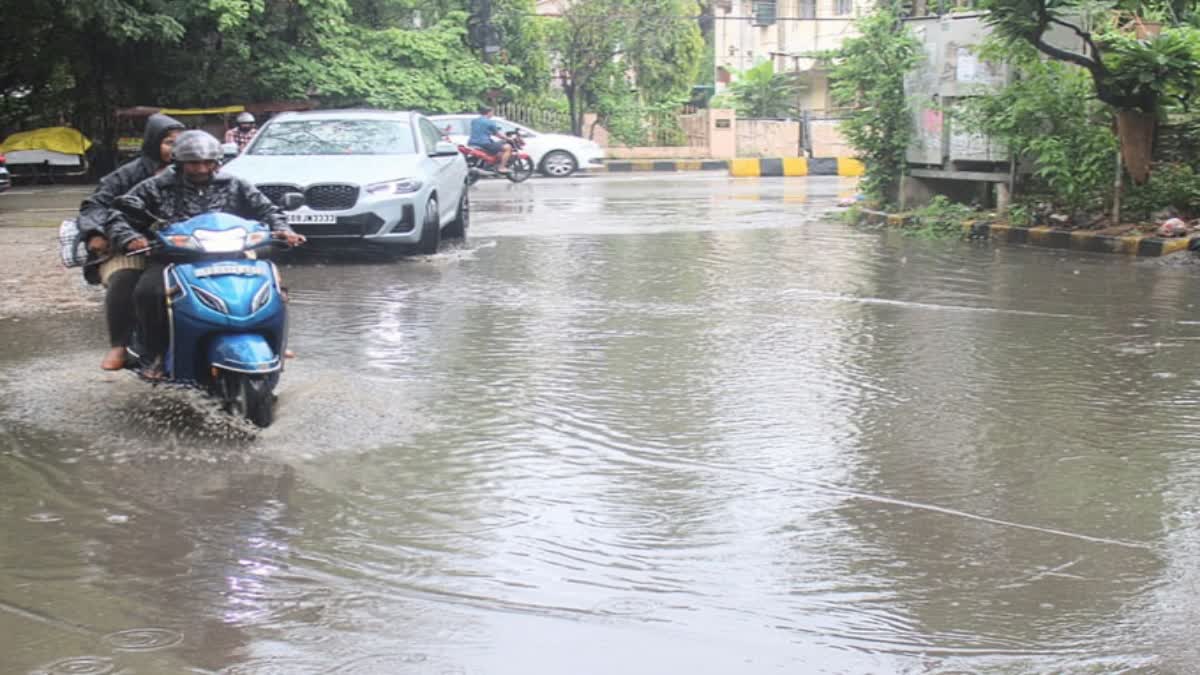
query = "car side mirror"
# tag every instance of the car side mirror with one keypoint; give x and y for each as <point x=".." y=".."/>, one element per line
<point x="292" y="201"/>
<point x="444" y="149"/>
<point x="229" y="150"/>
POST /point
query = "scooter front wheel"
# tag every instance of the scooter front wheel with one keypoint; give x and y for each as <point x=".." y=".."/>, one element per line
<point x="249" y="396"/>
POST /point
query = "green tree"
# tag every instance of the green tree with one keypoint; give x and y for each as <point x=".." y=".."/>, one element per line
<point x="1135" y="74"/>
<point x="1048" y="115"/>
<point x="868" y="77"/>
<point x="81" y="59"/>
<point x="760" y="92"/>
<point x="605" y="46"/>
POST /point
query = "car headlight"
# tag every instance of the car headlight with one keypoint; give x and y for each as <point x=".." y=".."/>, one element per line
<point x="398" y="186"/>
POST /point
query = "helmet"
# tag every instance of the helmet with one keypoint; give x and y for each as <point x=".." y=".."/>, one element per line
<point x="196" y="146"/>
<point x="245" y="118"/>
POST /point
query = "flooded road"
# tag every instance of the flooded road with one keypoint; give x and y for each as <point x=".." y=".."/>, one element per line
<point x="664" y="424"/>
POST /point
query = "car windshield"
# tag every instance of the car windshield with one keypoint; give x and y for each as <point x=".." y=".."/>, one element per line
<point x="335" y="137"/>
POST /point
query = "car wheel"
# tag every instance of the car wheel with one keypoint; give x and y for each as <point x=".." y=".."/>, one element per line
<point x="457" y="229"/>
<point x="559" y="164"/>
<point x="431" y="229"/>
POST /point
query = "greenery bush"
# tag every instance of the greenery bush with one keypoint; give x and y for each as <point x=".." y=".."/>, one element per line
<point x="1174" y="186"/>
<point x="1049" y="115"/>
<point x="940" y="219"/>
<point x="868" y="77"/>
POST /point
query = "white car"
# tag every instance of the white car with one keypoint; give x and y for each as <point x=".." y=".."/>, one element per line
<point x="555" y="155"/>
<point x="368" y="177"/>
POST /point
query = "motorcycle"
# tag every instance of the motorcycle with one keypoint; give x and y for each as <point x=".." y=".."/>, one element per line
<point x="481" y="163"/>
<point x="226" y="310"/>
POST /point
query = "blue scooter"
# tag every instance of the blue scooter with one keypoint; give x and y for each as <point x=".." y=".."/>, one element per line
<point x="226" y="310"/>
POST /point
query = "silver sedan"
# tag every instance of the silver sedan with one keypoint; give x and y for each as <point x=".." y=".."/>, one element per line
<point x="371" y="177"/>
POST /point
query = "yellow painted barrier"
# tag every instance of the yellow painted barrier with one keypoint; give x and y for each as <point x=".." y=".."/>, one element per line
<point x="744" y="168"/>
<point x="848" y="166"/>
<point x="795" y="166"/>
<point x="1174" y="245"/>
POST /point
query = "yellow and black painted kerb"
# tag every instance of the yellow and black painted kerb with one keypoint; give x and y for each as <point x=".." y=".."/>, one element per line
<point x="795" y="166"/>
<point x="1074" y="240"/>
<point x="627" y="166"/>
<point x="1079" y="240"/>
<point x="771" y="166"/>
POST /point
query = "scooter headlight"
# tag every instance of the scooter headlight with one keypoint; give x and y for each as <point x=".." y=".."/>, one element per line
<point x="186" y="241"/>
<point x="256" y="238"/>
<point x="262" y="297"/>
<point x="222" y="241"/>
<point x="211" y="301"/>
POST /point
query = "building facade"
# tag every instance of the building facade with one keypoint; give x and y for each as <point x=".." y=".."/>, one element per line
<point x="785" y="32"/>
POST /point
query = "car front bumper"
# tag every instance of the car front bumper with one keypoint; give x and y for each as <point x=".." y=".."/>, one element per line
<point x="591" y="159"/>
<point x="389" y="220"/>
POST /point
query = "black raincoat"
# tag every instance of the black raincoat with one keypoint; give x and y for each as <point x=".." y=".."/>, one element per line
<point x="172" y="197"/>
<point x="94" y="212"/>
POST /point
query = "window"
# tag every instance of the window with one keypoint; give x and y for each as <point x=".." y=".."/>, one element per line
<point x="335" y="137"/>
<point x="430" y="135"/>
<point x="843" y="7"/>
<point x="808" y="9"/>
<point x="458" y="126"/>
<point x="764" y="12"/>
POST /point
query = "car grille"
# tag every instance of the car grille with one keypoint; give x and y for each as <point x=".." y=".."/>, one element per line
<point x="331" y="197"/>
<point x="276" y="192"/>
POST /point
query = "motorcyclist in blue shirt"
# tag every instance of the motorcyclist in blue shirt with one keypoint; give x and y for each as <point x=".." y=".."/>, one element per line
<point x="486" y="135"/>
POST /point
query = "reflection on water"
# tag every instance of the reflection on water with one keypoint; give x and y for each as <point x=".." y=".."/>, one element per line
<point x="635" y="426"/>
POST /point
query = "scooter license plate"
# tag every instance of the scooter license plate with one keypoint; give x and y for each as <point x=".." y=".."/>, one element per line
<point x="310" y="219"/>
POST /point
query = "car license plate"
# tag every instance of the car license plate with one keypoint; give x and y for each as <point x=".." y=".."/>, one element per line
<point x="310" y="219"/>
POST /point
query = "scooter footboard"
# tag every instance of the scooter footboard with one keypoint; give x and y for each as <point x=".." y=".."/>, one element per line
<point x="243" y="353"/>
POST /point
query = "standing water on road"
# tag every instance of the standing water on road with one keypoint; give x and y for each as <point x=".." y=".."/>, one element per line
<point x="638" y="425"/>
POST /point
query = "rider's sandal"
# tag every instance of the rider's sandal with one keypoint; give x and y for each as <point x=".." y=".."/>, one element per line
<point x="154" y="372"/>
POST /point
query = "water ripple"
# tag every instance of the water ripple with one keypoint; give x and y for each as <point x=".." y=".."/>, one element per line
<point x="143" y="639"/>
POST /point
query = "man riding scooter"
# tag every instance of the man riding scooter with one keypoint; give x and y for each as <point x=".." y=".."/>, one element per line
<point x="192" y="186"/>
<point x="486" y="134"/>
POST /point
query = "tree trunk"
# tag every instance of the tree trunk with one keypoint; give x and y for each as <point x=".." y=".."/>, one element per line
<point x="1135" y="131"/>
<point x="573" y="109"/>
